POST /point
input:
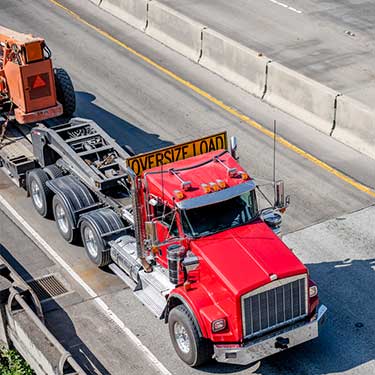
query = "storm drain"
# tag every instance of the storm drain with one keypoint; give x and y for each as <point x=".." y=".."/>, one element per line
<point x="47" y="287"/>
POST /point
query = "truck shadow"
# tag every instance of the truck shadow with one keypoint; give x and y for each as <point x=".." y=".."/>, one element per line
<point x="347" y="339"/>
<point x="122" y="131"/>
<point x="61" y="325"/>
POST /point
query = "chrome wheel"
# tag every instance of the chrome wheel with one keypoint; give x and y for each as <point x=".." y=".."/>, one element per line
<point x="182" y="337"/>
<point x="36" y="195"/>
<point x="61" y="218"/>
<point x="90" y="242"/>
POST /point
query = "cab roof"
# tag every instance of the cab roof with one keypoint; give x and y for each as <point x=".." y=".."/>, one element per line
<point x="165" y="181"/>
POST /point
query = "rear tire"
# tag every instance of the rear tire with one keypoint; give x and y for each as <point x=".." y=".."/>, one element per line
<point x="64" y="221"/>
<point x="193" y="349"/>
<point x="41" y="195"/>
<point x="65" y="91"/>
<point x="93" y="226"/>
<point x="53" y="171"/>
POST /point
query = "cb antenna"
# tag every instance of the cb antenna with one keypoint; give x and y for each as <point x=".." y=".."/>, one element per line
<point x="274" y="156"/>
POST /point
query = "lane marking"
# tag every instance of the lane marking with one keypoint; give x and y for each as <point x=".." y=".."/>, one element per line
<point x="222" y="105"/>
<point x="159" y="367"/>
<point x="286" y="6"/>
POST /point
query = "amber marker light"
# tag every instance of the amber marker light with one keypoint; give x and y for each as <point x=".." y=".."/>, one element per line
<point x="178" y="194"/>
<point x="222" y="184"/>
<point x="206" y="188"/>
<point x="214" y="186"/>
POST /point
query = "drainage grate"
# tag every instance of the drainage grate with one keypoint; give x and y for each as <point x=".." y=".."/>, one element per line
<point x="47" y="287"/>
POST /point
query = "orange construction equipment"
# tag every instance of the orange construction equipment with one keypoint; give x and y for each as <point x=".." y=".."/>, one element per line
<point x="30" y="89"/>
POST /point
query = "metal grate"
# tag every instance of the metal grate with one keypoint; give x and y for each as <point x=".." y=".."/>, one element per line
<point x="275" y="305"/>
<point x="47" y="287"/>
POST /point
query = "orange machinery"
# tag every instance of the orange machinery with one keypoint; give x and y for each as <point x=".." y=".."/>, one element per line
<point x="30" y="89"/>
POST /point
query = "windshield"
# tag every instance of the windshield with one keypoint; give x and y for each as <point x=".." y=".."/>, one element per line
<point x="203" y="221"/>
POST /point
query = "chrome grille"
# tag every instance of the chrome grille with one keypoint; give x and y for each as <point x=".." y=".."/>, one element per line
<point x="274" y="305"/>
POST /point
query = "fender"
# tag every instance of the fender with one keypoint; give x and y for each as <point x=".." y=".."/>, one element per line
<point x="181" y="296"/>
<point x="74" y="195"/>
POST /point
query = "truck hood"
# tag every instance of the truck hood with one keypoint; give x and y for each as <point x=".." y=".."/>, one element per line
<point x="243" y="258"/>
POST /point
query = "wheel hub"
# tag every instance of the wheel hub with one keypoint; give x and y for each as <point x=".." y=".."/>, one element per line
<point x="36" y="194"/>
<point x="90" y="241"/>
<point x="182" y="337"/>
<point x="61" y="218"/>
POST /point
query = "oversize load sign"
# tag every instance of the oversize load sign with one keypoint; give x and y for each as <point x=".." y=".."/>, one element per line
<point x="182" y="151"/>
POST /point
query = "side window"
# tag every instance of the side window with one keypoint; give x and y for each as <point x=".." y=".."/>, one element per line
<point x="166" y="216"/>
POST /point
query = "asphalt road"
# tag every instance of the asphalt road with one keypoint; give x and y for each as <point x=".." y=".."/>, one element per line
<point x="140" y="105"/>
<point x="309" y="36"/>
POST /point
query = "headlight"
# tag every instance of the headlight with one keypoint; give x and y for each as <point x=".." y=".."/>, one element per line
<point x="313" y="291"/>
<point x="219" y="325"/>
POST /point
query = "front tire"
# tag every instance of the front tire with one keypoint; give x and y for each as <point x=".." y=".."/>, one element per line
<point x="65" y="91"/>
<point x="193" y="349"/>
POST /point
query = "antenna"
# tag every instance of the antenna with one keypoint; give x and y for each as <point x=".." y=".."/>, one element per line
<point x="274" y="159"/>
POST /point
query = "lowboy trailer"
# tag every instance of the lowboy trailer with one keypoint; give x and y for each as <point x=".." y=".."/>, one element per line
<point x="183" y="228"/>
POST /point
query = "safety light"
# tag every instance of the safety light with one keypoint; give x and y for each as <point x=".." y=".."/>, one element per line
<point x="243" y="175"/>
<point x="178" y="194"/>
<point x="313" y="291"/>
<point x="206" y="188"/>
<point x="214" y="186"/>
<point x="219" y="325"/>
<point x="222" y="184"/>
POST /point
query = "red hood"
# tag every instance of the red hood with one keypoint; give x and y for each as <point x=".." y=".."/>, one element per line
<point x="245" y="257"/>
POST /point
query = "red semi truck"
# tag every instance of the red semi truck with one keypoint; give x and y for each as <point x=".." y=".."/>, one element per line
<point x="183" y="227"/>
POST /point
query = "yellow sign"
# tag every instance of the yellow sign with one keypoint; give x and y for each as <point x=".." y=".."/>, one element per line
<point x="182" y="151"/>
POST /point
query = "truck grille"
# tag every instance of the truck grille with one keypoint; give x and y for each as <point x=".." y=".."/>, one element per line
<point x="274" y="305"/>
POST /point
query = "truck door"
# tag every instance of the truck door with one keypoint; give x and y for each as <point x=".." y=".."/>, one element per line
<point x="167" y="230"/>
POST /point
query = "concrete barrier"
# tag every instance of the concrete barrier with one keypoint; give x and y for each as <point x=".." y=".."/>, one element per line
<point x="300" y="96"/>
<point x="355" y="125"/>
<point x="96" y="2"/>
<point x="175" y="30"/>
<point x="234" y="62"/>
<point x="133" y="12"/>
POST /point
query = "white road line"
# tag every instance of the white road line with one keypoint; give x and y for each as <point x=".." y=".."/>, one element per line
<point x="103" y="306"/>
<point x="286" y="6"/>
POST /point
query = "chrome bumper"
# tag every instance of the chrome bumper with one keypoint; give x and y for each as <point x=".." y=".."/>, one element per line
<point x="265" y="346"/>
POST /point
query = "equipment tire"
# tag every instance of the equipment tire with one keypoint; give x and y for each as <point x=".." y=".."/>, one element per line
<point x="41" y="195"/>
<point x="53" y="171"/>
<point x="64" y="221"/>
<point x="193" y="349"/>
<point x="65" y="91"/>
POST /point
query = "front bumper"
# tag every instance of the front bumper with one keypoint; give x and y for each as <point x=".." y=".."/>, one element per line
<point x="273" y="343"/>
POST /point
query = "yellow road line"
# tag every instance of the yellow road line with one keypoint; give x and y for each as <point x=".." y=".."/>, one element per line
<point x="223" y="106"/>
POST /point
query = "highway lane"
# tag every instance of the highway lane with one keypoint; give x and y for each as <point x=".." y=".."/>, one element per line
<point x="308" y="36"/>
<point x="141" y="106"/>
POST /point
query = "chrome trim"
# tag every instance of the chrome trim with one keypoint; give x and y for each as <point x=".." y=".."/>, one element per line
<point x="270" y="286"/>
<point x="216" y="197"/>
<point x="263" y="347"/>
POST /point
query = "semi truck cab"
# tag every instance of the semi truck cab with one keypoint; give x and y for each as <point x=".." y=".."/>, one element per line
<point x="186" y="227"/>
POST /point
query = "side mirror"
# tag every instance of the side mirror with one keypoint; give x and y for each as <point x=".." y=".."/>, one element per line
<point x="279" y="195"/>
<point x="233" y="147"/>
<point x="151" y="232"/>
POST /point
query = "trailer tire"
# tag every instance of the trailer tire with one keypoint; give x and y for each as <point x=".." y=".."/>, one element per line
<point x="41" y="194"/>
<point x="64" y="220"/>
<point x="65" y="91"/>
<point x="193" y="349"/>
<point x="53" y="171"/>
<point x="93" y="226"/>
